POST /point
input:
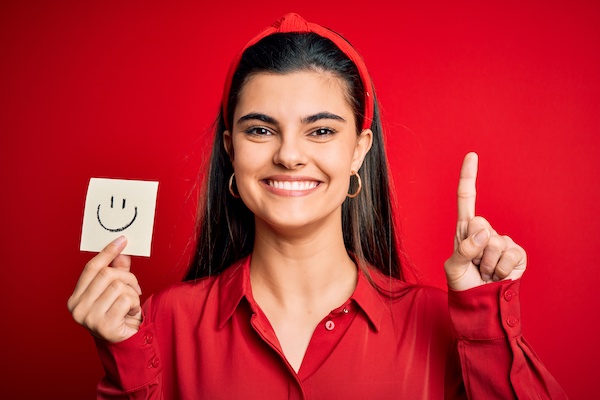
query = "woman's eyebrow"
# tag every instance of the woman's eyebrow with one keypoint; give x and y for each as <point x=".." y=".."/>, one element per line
<point x="322" y="115"/>
<point x="261" y="117"/>
<point x="306" y="120"/>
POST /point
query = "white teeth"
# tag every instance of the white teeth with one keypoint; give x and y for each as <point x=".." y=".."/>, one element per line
<point x="293" y="185"/>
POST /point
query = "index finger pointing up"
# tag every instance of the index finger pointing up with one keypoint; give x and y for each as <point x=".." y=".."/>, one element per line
<point x="467" y="192"/>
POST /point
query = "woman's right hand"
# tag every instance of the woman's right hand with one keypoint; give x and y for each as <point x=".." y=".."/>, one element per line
<point x="106" y="299"/>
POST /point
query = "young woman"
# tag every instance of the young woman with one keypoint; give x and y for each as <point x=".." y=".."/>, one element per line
<point x="296" y="290"/>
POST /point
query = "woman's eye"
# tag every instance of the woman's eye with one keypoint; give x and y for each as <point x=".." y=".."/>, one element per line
<point x="258" y="131"/>
<point x="322" y="132"/>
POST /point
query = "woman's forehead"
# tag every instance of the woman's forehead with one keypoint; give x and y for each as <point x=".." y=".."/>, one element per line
<point x="303" y="91"/>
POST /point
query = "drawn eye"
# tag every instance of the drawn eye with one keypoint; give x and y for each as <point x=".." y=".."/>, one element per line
<point x="118" y="217"/>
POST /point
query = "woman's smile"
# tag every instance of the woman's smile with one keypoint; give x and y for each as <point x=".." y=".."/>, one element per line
<point x="291" y="185"/>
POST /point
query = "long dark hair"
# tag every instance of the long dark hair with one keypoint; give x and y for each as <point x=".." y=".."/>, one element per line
<point x="226" y="226"/>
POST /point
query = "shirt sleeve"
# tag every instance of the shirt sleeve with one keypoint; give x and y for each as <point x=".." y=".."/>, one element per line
<point x="132" y="367"/>
<point x="495" y="359"/>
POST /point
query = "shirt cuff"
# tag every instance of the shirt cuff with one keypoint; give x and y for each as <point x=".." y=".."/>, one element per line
<point x="486" y="312"/>
<point x="132" y="363"/>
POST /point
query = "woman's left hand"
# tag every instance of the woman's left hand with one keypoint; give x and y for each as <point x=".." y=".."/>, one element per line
<point x="480" y="255"/>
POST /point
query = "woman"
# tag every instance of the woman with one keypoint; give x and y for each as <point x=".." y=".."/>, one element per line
<point x="296" y="290"/>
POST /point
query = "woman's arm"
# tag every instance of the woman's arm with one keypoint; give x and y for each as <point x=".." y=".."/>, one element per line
<point x="106" y="301"/>
<point x="483" y="277"/>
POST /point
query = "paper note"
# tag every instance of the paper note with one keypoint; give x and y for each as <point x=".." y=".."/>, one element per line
<point x="115" y="207"/>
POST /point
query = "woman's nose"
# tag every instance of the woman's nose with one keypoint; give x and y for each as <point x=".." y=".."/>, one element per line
<point x="290" y="153"/>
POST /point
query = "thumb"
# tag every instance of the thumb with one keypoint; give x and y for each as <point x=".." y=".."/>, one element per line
<point x="471" y="247"/>
<point x="121" y="261"/>
<point x="461" y="272"/>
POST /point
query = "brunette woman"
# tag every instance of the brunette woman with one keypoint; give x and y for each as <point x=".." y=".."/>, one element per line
<point x="297" y="290"/>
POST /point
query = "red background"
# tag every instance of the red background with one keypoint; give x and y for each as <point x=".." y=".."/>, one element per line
<point x="128" y="89"/>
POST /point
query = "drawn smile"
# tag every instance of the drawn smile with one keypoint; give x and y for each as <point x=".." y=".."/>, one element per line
<point x="122" y="228"/>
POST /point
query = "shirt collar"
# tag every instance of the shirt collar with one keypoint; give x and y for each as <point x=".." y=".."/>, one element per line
<point x="369" y="299"/>
<point x="235" y="285"/>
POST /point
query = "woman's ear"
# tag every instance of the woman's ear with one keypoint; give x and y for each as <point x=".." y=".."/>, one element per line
<point x="363" y="145"/>
<point x="228" y="144"/>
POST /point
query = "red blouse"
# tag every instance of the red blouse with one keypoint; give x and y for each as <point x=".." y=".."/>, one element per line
<point x="209" y="339"/>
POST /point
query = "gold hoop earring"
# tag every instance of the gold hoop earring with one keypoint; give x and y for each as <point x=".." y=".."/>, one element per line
<point x="353" y="195"/>
<point x="237" y="196"/>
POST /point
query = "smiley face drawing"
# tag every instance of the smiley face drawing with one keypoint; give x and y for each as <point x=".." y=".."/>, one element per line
<point x="115" y="207"/>
<point x="118" y="214"/>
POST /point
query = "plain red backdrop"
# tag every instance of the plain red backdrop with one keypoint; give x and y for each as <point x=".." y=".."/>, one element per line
<point x="129" y="89"/>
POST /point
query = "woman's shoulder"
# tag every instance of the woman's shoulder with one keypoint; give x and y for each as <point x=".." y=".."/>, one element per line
<point x="399" y="291"/>
<point x="186" y="295"/>
<point x="417" y="307"/>
<point x="195" y="295"/>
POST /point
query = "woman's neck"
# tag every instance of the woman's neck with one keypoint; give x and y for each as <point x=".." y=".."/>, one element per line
<point x="301" y="270"/>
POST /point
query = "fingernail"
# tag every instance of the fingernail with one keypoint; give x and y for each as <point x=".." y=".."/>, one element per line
<point x="119" y="241"/>
<point x="481" y="236"/>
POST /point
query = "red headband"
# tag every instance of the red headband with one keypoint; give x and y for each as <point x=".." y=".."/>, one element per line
<point x="295" y="23"/>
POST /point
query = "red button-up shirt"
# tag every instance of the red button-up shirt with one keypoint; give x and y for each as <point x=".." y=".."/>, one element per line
<point x="209" y="339"/>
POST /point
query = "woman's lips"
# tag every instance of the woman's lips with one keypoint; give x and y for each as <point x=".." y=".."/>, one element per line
<point x="291" y="186"/>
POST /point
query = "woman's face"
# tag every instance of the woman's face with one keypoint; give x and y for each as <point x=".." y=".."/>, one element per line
<point x="294" y="146"/>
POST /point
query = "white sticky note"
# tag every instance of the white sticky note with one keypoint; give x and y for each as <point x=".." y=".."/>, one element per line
<point x="115" y="207"/>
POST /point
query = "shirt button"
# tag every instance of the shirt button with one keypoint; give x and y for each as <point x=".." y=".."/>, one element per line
<point x="329" y="325"/>
<point x="509" y="295"/>
<point x="148" y="339"/>
<point x="345" y="310"/>
<point x="154" y="363"/>
<point x="512" y="321"/>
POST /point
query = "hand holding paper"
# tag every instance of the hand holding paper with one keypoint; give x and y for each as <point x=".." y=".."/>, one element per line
<point x="106" y="299"/>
